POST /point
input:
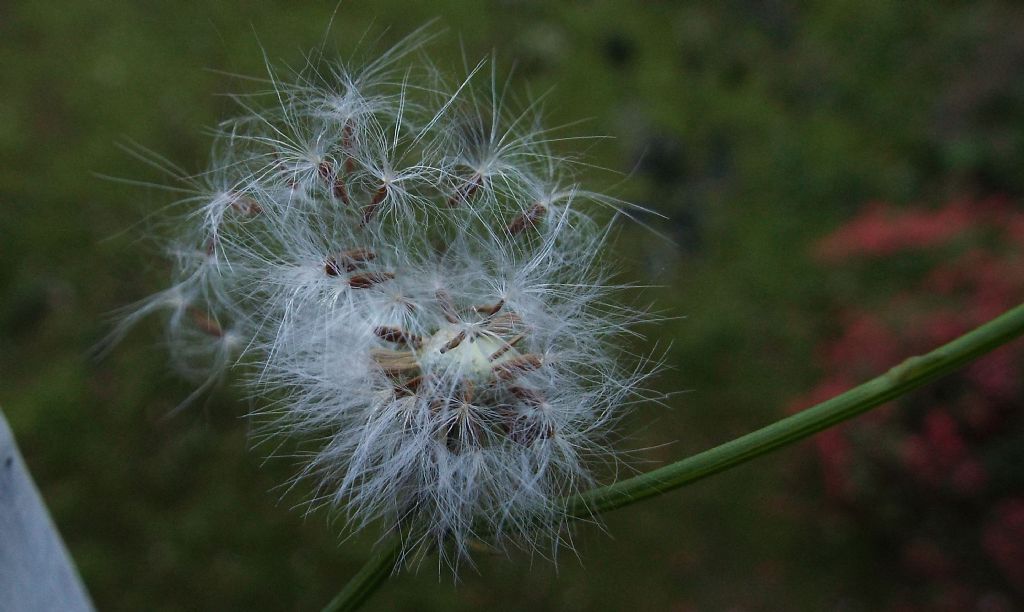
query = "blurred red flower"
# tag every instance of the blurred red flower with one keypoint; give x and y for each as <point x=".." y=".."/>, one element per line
<point x="943" y="464"/>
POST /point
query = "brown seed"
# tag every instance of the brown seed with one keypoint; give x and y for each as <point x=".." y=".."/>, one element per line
<point x="409" y="387"/>
<point x="346" y="135"/>
<point x="516" y="366"/>
<point x="528" y="219"/>
<point x="453" y="343"/>
<point x="354" y="258"/>
<point x="467" y="392"/>
<point x="491" y="309"/>
<point x="395" y="362"/>
<point x="504" y="323"/>
<point x="331" y="267"/>
<point x="369" y="279"/>
<point x="506" y="347"/>
<point x="205" y="323"/>
<point x="529" y="396"/>
<point x="341" y="191"/>
<point x="466" y="191"/>
<point x="348" y="261"/>
<point x="326" y="170"/>
<point x="398" y="336"/>
<point x="246" y="206"/>
<point x="447" y="307"/>
<point x="379" y="195"/>
<point x="409" y="305"/>
<point x="371" y="208"/>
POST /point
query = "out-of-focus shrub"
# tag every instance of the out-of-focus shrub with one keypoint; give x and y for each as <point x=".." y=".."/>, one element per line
<point x="934" y="484"/>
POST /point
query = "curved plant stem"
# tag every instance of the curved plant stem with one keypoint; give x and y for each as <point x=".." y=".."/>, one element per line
<point x="366" y="581"/>
<point x="909" y="375"/>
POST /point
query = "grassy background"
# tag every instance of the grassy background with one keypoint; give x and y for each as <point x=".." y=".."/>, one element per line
<point x="754" y="126"/>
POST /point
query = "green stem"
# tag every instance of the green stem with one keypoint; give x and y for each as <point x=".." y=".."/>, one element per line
<point x="909" y="375"/>
<point x="364" y="583"/>
<point x="901" y="379"/>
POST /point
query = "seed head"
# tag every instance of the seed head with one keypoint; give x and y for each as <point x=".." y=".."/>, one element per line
<point x="413" y="279"/>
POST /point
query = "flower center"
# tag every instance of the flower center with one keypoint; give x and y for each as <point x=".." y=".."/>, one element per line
<point x="468" y="354"/>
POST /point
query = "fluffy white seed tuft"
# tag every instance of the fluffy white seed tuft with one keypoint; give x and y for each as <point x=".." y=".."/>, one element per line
<point x="416" y="284"/>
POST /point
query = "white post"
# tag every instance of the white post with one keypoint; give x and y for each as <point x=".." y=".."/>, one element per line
<point x="36" y="572"/>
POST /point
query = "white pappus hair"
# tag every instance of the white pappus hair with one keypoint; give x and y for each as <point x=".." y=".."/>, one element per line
<point x="416" y="285"/>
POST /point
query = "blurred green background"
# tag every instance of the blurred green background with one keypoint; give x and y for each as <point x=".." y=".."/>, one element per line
<point x="756" y="127"/>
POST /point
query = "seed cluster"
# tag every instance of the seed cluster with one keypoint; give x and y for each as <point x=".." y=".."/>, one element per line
<point x="413" y="279"/>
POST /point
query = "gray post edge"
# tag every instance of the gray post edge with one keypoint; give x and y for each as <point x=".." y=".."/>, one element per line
<point x="36" y="571"/>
